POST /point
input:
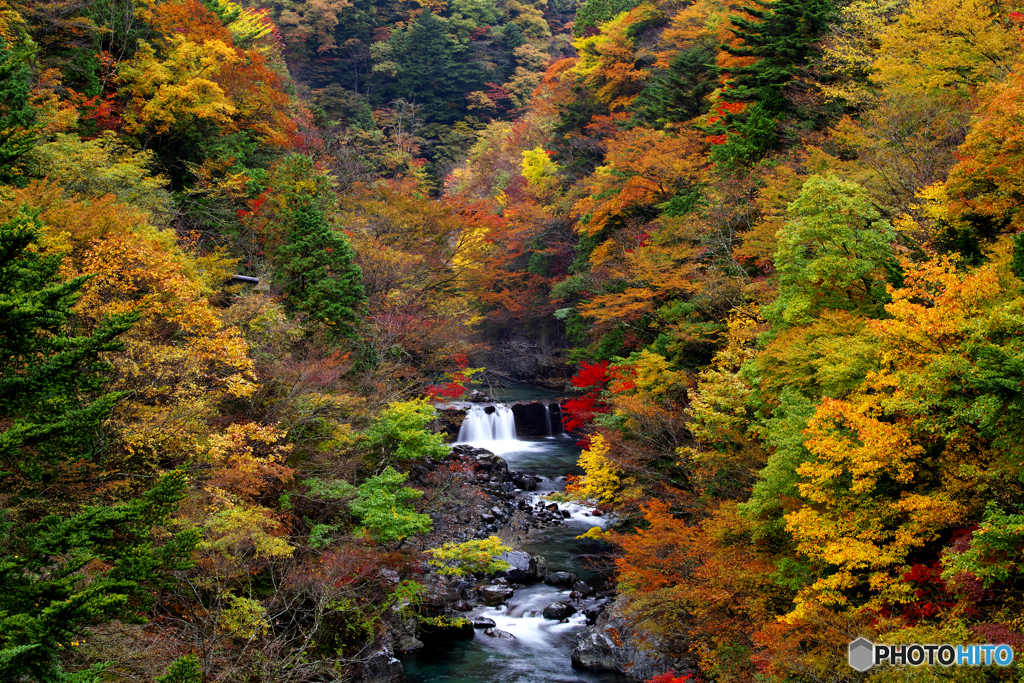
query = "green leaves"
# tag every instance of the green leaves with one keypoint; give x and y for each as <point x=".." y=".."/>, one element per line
<point x="996" y="549"/>
<point x="832" y="254"/>
<point x="400" y="433"/>
<point x="383" y="505"/>
<point x="49" y="379"/>
<point x="48" y="601"/>
<point x="17" y="118"/>
<point x="316" y="265"/>
<point x="184" y="670"/>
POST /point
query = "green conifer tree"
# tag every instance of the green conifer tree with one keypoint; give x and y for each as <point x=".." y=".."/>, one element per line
<point x="50" y="379"/>
<point x="184" y="670"/>
<point x="435" y="70"/>
<point x="47" y="602"/>
<point x="17" y="119"/>
<point x="680" y="93"/>
<point x="317" y="268"/>
<point x="781" y="37"/>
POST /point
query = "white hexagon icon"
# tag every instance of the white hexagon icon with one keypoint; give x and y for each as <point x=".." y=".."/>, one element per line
<point x="862" y="654"/>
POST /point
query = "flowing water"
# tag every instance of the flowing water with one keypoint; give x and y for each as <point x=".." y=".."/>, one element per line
<point x="541" y="648"/>
<point x="484" y="427"/>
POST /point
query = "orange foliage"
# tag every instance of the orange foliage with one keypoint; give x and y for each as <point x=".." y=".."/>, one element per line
<point x="180" y="358"/>
<point x="642" y="168"/>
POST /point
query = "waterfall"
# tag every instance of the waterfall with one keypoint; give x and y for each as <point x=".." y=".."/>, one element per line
<point x="479" y="425"/>
<point x="561" y="423"/>
<point x="547" y="414"/>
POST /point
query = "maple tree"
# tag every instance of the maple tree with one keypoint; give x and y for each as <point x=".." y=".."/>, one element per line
<point x="833" y="255"/>
<point x="769" y="246"/>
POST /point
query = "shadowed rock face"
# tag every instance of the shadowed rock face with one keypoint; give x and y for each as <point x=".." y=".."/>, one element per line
<point x="532" y="419"/>
<point x="614" y="643"/>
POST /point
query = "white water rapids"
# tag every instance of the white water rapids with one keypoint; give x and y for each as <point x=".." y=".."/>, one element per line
<point x="539" y="652"/>
<point x="479" y="426"/>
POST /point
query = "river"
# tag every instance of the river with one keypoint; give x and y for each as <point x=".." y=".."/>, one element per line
<point x="541" y="648"/>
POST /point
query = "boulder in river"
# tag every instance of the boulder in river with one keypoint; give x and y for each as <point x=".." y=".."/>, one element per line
<point x="593" y="612"/>
<point x="559" y="611"/>
<point x="581" y="587"/>
<point x="493" y="465"/>
<point x="524" y="567"/>
<point x="594" y="652"/>
<point x="498" y="633"/>
<point x="560" y="579"/>
<point x="495" y="595"/>
<point x="615" y="643"/>
<point x="483" y="622"/>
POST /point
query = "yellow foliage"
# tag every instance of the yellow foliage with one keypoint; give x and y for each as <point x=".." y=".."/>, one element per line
<point x="475" y="556"/>
<point x="643" y="167"/>
<point x="244" y="618"/>
<point x="928" y="217"/>
<point x="246" y="456"/>
<point x="178" y="89"/>
<point x="850" y="50"/>
<point x="538" y="169"/>
<point x="106" y="165"/>
<point x="854" y="525"/>
<point x="607" y="61"/>
<point x="948" y="45"/>
<point x="235" y="532"/>
<point x="603" y="481"/>
<point x="648" y="376"/>
<point x="180" y="359"/>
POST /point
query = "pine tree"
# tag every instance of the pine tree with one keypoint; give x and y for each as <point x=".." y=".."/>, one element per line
<point x="17" y="118"/>
<point x="183" y="670"/>
<point x="680" y="93"/>
<point x="50" y="380"/>
<point x="318" y="269"/>
<point x="435" y="71"/>
<point x="47" y="602"/>
<point x="780" y="36"/>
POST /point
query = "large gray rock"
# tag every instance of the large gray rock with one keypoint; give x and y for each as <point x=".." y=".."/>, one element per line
<point x="559" y="611"/>
<point x="498" y="633"/>
<point x="382" y="667"/>
<point x="493" y="465"/>
<point x="495" y="595"/>
<point x="404" y="636"/>
<point x="525" y="567"/>
<point x="560" y="579"/>
<point x="614" y="643"/>
<point x="483" y="622"/>
<point x="594" y="652"/>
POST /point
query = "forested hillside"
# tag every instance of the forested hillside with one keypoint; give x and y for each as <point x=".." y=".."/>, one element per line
<point x="771" y="250"/>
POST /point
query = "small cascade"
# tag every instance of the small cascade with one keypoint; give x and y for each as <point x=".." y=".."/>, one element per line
<point x="561" y="421"/>
<point x="547" y="414"/>
<point x="479" y="425"/>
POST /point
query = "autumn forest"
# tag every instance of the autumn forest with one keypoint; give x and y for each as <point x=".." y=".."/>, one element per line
<point x="767" y="254"/>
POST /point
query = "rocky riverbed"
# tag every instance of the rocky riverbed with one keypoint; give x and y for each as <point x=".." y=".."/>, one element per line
<point x="546" y="618"/>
